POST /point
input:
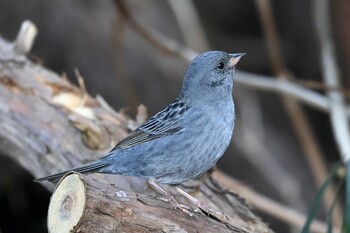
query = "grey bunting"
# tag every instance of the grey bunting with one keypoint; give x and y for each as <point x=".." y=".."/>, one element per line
<point x="186" y="138"/>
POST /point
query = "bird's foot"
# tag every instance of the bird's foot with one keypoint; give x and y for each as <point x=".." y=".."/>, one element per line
<point x="205" y="208"/>
<point x="187" y="210"/>
<point x="213" y="212"/>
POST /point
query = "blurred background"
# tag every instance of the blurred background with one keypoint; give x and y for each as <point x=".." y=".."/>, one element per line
<point x="281" y="148"/>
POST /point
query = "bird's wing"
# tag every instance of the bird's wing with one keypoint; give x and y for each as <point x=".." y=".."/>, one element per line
<point x="164" y="123"/>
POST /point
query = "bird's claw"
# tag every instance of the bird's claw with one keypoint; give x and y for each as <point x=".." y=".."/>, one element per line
<point x="215" y="213"/>
<point x="187" y="210"/>
<point x="205" y="208"/>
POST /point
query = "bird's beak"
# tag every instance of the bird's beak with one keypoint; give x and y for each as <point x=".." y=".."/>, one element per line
<point x="234" y="58"/>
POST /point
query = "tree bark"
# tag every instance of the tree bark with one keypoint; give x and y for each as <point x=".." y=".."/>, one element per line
<point x="49" y="125"/>
<point x="83" y="204"/>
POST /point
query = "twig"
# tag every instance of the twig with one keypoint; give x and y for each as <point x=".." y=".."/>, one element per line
<point x="286" y="87"/>
<point x="161" y="42"/>
<point x="272" y="40"/>
<point x="316" y="85"/>
<point x="270" y="206"/>
<point x="331" y="76"/>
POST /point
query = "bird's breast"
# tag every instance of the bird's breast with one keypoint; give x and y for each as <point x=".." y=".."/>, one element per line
<point x="212" y="131"/>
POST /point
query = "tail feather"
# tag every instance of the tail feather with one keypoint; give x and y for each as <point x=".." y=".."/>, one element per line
<point x="89" y="167"/>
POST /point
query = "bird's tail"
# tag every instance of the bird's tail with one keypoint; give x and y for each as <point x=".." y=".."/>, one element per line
<point x="89" y="167"/>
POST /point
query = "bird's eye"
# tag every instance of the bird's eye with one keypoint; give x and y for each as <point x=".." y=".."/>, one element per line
<point x="221" y="65"/>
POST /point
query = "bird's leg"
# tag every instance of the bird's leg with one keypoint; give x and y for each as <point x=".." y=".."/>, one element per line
<point x="205" y="208"/>
<point x="170" y="198"/>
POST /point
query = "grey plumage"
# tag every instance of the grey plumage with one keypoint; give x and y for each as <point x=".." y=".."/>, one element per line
<point x="186" y="138"/>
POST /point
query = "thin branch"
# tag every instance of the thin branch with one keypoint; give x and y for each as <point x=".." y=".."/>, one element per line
<point x="272" y="40"/>
<point x="286" y="87"/>
<point x="161" y="42"/>
<point x="316" y="85"/>
<point x="331" y="76"/>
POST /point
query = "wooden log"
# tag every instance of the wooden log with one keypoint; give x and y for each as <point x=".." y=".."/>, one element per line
<point x="84" y="204"/>
<point x="48" y="125"/>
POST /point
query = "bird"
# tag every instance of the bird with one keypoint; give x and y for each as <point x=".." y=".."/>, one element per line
<point x="186" y="138"/>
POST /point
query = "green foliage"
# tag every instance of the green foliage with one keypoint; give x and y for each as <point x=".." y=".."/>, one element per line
<point x="330" y="211"/>
<point x="318" y="199"/>
<point x="347" y="200"/>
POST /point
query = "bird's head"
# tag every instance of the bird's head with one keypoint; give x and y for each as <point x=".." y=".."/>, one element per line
<point x="210" y="75"/>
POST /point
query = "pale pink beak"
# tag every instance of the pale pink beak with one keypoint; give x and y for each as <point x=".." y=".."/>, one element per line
<point x="234" y="58"/>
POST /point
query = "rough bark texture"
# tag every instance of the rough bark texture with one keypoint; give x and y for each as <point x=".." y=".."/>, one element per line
<point x="83" y="204"/>
<point x="48" y="125"/>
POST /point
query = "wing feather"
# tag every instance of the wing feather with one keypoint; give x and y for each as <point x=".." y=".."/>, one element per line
<point x="164" y="123"/>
